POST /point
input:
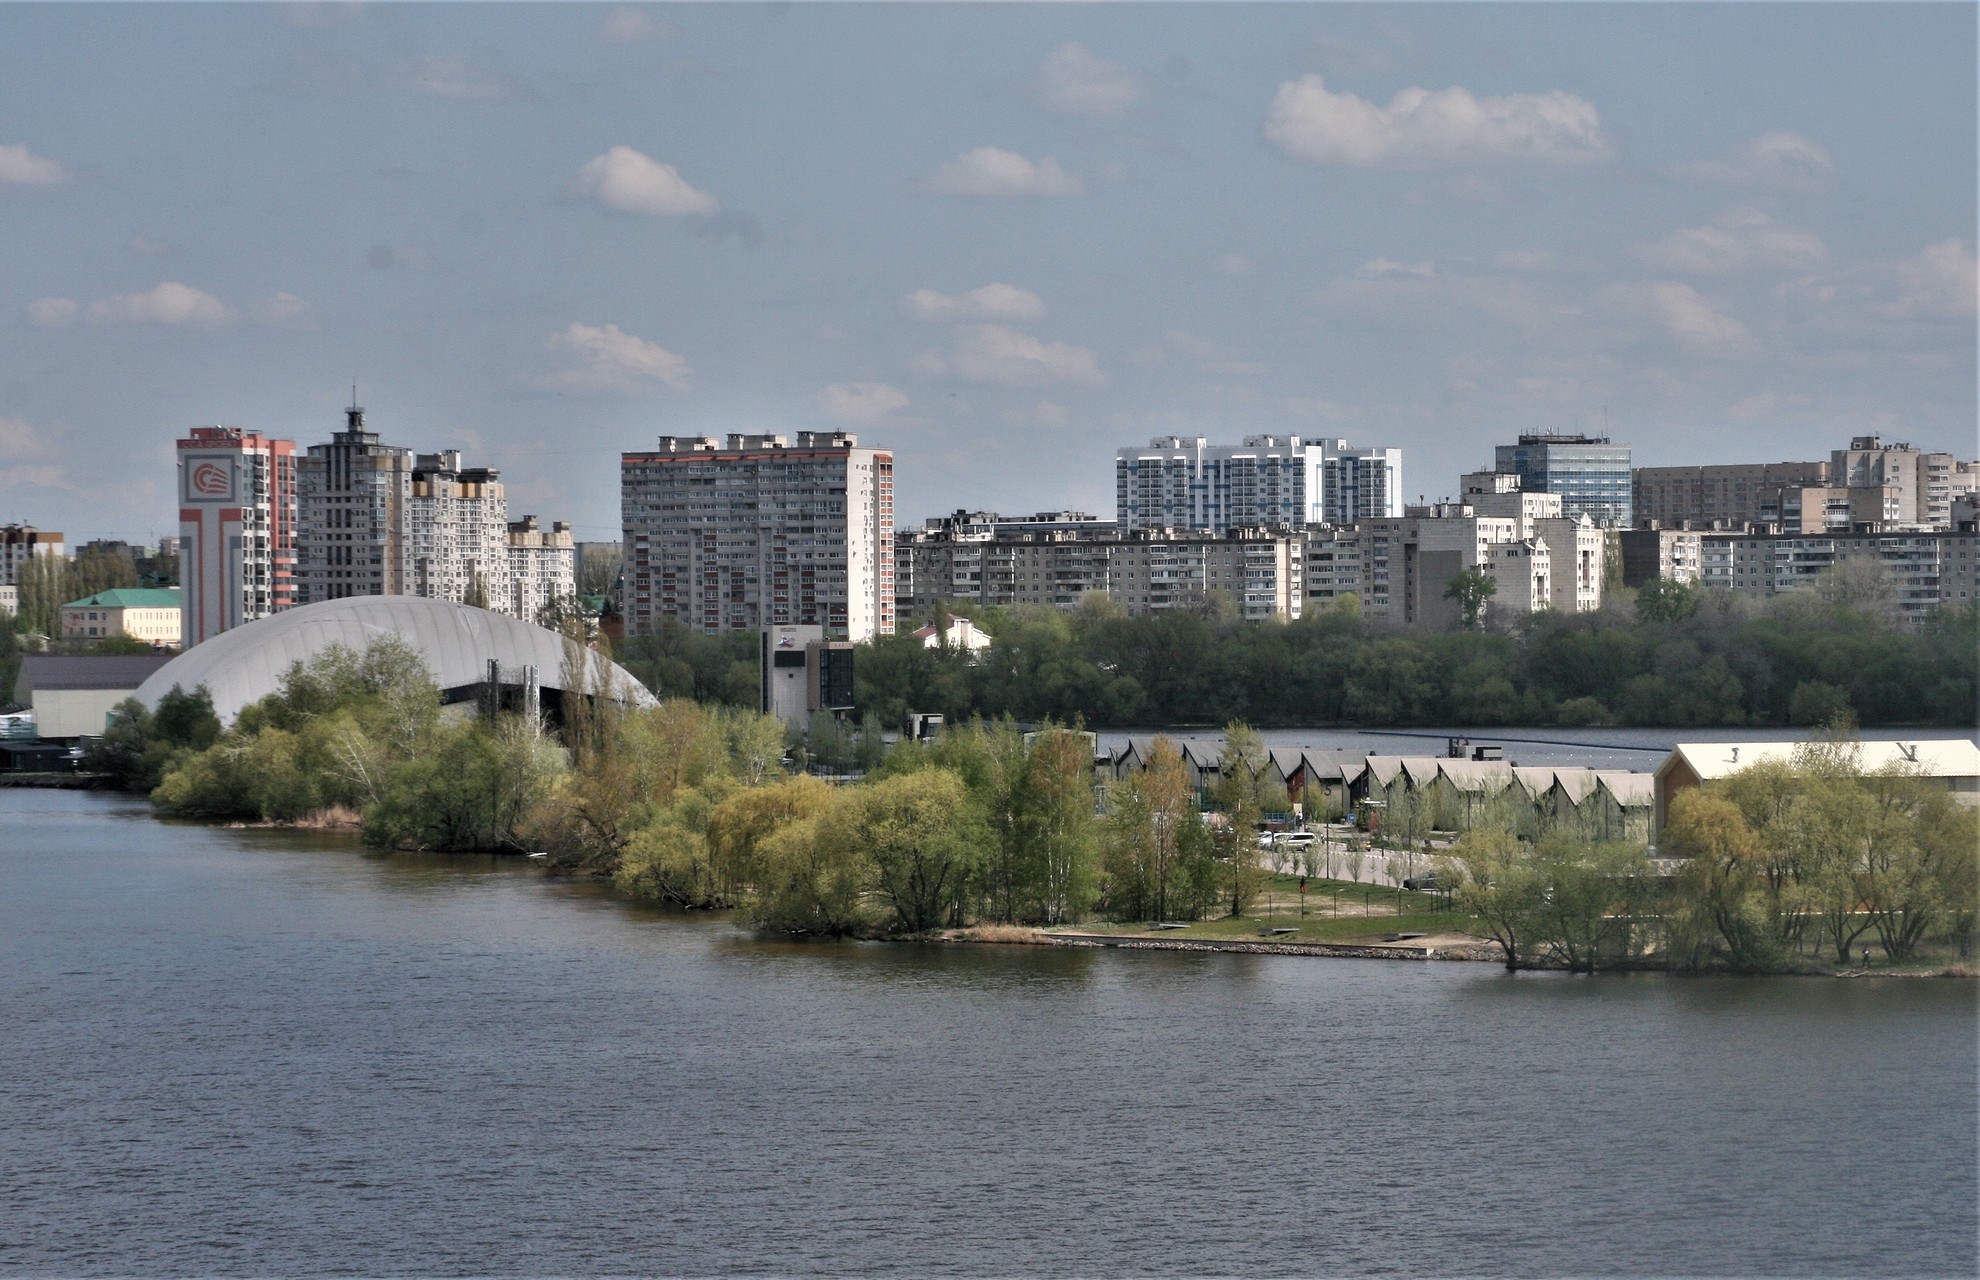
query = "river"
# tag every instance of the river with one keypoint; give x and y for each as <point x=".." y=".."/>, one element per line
<point x="233" y="1052"/>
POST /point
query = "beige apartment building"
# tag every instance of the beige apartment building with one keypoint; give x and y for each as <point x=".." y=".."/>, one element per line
<point x="1260" y="572"/>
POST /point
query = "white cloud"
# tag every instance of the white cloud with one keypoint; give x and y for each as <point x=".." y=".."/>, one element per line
<point x="629" y="24"/>
<point x="53" y="313"/>
<point x="20" y="167"/>
<point x="992" y="171"/>
<point x="1696" y="324"/>
<point x="1421" y="128"/>
<point x="28" y="458"/>
<point x="1045" y="413"/>
<point x="1940" y="282"/>
<point x="1234" y="264"/>
<point x="991" y="302"/>
<point x="625" y="180"/>
<point x="171" y="303"/>
<point x="862" y="403"/>
<point x="1075" y="82"/>
<point x="1388" y="268"/>
<point x="450" y="76"/>
<point x="1780" y="160"/>
<point x="283" y="311"/>
<point x="1737" y="240"/>
<point x="609" y="359"/>
<point x="1002" y="356"/>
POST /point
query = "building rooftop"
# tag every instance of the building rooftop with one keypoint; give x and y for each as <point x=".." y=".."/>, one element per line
<point x="129" y="598"/>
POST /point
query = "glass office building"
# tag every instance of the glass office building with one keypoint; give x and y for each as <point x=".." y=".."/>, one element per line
<point x="1589" y="472"/>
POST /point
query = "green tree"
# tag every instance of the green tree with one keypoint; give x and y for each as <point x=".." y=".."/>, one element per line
<point x="919" y="833"/>
<point x="1473" y="589"/>
<point x="1718" y="912"/>
<point x="1237" y="795"/>
<point x="1666" y="601"/>
<point x="1498" y="885"/>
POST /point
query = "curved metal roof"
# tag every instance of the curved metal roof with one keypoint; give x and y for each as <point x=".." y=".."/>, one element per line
<point x="456" y="642"/>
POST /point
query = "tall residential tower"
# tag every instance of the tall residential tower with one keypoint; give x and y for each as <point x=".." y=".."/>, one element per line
<point x="758" y="532"/>
<point x="237" y="529"/>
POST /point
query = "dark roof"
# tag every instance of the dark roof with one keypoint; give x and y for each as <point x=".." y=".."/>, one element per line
<point x="85" y="671"/>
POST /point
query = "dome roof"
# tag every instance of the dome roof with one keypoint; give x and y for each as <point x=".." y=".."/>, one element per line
<point x="455" y="641"/>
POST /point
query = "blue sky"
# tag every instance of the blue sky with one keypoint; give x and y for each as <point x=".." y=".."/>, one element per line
<point x="1003" y="240"/>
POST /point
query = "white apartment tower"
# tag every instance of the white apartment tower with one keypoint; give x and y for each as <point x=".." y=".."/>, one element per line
<point x="1360" y="484"/>
<point x="458" y="529"/>
<point x="757" y="532"/>
<point x="542" y="568"/>
<point x="1182" y="482"/>
<point x="1277" y="482"/>
<point x="353" y="498"/>
<point x="237" y="529"/>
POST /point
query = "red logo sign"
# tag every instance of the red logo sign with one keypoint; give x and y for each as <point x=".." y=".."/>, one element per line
<point x="211" y="480"/>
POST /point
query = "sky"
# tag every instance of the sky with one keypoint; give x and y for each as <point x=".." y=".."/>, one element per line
<point x="1002" y="240"/>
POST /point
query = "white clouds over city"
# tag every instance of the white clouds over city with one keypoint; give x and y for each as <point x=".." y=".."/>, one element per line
<point x="1002" y="356"/>
<point x="606" y="358"/>
<point x="991" y="302"/>
<point x="1075" y="82"/>
<point x="170" y="303"/>
<point x="1423" y="128"/>
<point x="629" y="181"/>
<point x="1780" y="161"/>
<point x="1742" y="239"/>
<point x="1000" y="174"/>
<point x="20" y="167"/>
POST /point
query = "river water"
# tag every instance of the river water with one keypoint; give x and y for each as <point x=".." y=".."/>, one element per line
<point x="230" y="1052"/>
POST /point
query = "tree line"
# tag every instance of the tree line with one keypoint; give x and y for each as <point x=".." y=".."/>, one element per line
<point x="1671" y="656"/>
<point x="1785" y="863"/>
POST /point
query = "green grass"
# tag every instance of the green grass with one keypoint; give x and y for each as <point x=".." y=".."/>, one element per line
<point x="1278" y="906"/>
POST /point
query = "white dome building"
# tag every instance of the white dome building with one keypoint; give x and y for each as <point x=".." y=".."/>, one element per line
<point x="457" y="642"/>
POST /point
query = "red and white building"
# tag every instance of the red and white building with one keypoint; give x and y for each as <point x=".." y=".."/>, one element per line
<point x="237" y="528"/>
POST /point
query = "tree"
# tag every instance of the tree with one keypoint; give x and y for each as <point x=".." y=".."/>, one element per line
<point x="1058" y="824"/>
<point x="921" y="837"/>
<point x="1472" y="589"/>
<point x="1666" y="601"/>
<point x="1241" y="778"/>
<point x="1148" y="838"/>
<point x="1586" y="913"/>
<point x="1718" y="913"/>
<point x="1497" y="883"/>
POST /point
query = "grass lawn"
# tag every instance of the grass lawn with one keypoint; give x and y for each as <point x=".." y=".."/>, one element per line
<point x="1366" y="913"/>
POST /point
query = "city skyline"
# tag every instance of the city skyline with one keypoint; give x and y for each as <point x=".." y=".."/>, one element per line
<point x="550" y="235"/>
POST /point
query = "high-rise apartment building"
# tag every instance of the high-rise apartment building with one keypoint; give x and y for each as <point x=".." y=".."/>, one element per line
<point x="542" y="568"/>
<point x="18" y="542"/>
<point x="1182" y="482"/>
<point x="457" y="524"/>
<point x="354" y="497"/>
<point x="1591" y="473"/>
<point x="1360" y="484"/>
<point x="237" y="529"/>
<point x="758" y="532"/>
<point x="1724" y="495"/>
<point x="1868" y="487"/>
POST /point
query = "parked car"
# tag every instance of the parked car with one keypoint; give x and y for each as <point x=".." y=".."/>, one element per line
<point x="1431" y="883"/>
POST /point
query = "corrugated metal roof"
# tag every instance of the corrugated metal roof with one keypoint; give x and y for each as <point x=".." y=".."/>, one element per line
<point x="86" y="671"/>
<point x="455" y="641"/>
